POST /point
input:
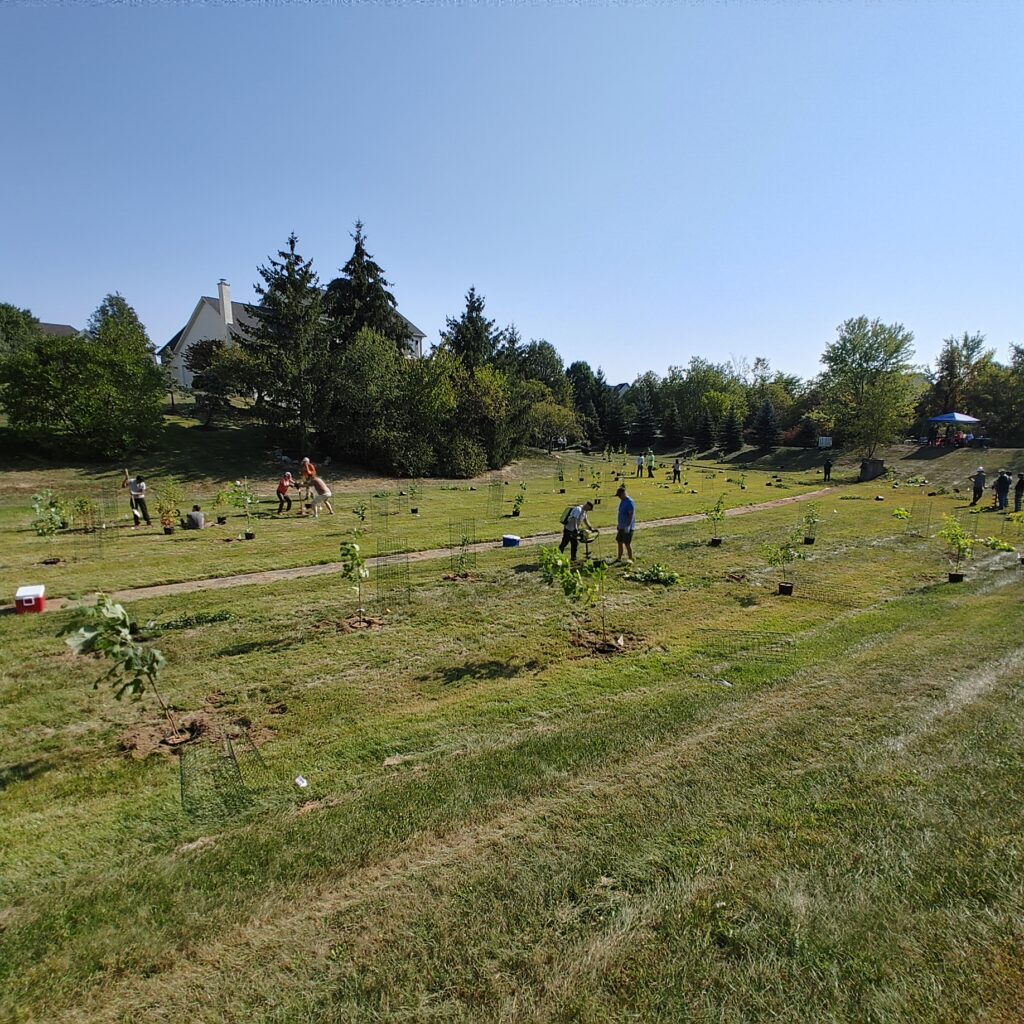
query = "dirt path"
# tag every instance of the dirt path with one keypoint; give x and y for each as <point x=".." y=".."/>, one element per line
<point x="303" y="571"/>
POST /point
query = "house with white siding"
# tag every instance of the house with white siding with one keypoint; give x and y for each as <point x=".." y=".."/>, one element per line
<point x="216" y="317"/>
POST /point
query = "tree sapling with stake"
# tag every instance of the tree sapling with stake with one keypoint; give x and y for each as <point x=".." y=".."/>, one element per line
<point x="353" y="567"/>
<point x="715" y="515"/>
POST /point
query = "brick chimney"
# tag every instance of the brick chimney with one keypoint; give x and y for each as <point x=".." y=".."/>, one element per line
<point x="224" y="290"/>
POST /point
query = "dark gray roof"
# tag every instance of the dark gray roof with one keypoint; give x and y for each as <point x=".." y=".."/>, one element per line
<point x="58" y="330"/>
<point x="169" y="347"/>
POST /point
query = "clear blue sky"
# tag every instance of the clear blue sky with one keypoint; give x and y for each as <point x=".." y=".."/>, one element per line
<point x="637" y="184"/>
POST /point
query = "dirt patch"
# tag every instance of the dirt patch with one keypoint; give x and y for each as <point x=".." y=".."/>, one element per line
<point x="460" y="577"/>
<point x="613" y="642"/>
<point x="155" y="737"/>
<point x="318" y="805"/>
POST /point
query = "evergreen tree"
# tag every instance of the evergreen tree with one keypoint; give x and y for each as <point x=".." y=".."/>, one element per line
<point x="707" y="431"/>
<point x="672" y="424"/>
<point x="613" y="415"/>
<point x="288" y="344"/>
<point x="643" y="428"/>
<point x="767" y="432"/>
<point x="472" y="338"/>
<point x="731" y="435"/>
<point x="360" y="299"/>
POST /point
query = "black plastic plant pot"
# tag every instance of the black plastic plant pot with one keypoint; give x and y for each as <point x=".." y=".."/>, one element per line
<point x="222" y="520"/>
<point x="414" y="511"/>
<point x="808" y="540"/>
<point x="715" y="542"/>
<point x="786" y="589"/>
<point x="956" y="577"/>
<point x="168" y="530"/>
<point x="249" y="535"/>
<point x="515" y="512"/>
<point x="561" y="490"/>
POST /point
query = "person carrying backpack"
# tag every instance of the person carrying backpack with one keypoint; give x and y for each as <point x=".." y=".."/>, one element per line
<point x="573" y="520"/>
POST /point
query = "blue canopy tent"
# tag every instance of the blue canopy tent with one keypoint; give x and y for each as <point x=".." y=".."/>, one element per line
<point x="953" y="417"/>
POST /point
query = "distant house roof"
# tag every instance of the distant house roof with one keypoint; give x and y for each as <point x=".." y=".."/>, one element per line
<point x="242" y="315"/>
<point x="619" y="389"/>
<point x="59" y="330"/>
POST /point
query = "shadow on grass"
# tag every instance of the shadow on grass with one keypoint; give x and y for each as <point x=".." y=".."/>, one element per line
<point x="252" y="646"/>
<point x="23" y="771"/>
<point x="480" y="671"/>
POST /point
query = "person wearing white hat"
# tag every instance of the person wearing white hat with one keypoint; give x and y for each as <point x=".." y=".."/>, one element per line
<point x="978" y="479"/>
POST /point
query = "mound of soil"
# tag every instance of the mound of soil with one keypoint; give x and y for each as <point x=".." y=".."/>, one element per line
<point x="155" y="737"/>
<point x="612" y="643"/>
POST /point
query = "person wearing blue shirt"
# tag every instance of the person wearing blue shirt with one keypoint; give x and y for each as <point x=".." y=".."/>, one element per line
<point x="625" y="525"/>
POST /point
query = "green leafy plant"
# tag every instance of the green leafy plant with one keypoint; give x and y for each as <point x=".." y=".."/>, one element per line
<point x="84" y="513"/>
<point x="359" y="510"/>
<point x="169" y="498"/>
<point x="656" y="573"/>
<point x="715" y="515"/>
<point x="582" y="585"/>
<point x="49" y="513"/>
<point x="241" y="496"/>
<point x="997" y="544"/>
<point x="517" y="504"/>
<point x="783" y="554"/>
<point x="353" y="567"/>
<point x="811" y="518"/>
<point x="957" y="539"/>
<point x="901" y="513"/>
<point x="106" y="629"/>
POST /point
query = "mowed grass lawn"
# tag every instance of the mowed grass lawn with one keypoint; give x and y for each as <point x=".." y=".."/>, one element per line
<point x="118" y="557"/>
<point x="791" y="809"/>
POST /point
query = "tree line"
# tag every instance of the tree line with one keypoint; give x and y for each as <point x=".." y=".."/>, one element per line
<point x="327" y="369"/>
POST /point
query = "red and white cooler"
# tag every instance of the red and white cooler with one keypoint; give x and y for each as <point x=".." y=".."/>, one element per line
<point x="30" y="599"/>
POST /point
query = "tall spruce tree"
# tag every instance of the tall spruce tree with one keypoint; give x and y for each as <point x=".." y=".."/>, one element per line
<point x="707" y="431"/>
<point x="288" y="341"/>
<point x="643" y="428"/>
<point x="472" y="337"/>
<point x="672" y="423"/>
<point x="613" y="416"/>
<point x="731" y="436"/>
<point x="359" y="298"/>
<point x="767" y="433"/>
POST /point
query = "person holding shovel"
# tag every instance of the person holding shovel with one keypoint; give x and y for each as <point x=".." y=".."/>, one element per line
<point x="284" y="502"/>
<point x="137" y="498"/>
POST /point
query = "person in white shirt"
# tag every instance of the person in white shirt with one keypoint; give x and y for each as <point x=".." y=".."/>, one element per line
<point x="137" y="498"/>
<point x="575" y="520"/>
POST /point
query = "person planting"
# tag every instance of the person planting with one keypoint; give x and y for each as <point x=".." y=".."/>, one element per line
<point x="284" y="502"/>
<point x="321" y="496"/>
<point x="573" y="521"/>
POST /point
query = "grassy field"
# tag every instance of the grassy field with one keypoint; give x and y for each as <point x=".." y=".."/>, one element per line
<point x="764" y="809"/>
<point x="117" y="556"/>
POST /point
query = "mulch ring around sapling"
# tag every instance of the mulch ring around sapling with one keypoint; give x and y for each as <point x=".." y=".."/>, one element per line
<point x="353" y="624"/>
<point x="612" y="642"/>
<point x="155" y="737"/>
